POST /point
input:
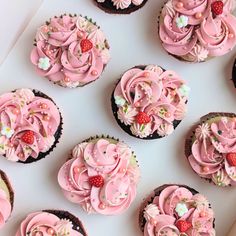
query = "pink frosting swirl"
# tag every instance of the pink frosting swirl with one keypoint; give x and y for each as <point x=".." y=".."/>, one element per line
<point x="175" y="204"/>
<point x="5" y="208"/>
<point x="70" y="51"/>
<point x="161" y="95"/>
<point x="23" y="112"/>
<point x="114" y="163"/>
<point x="210" y="152"/>
<point x="190" y="27"/>
<point x="44" y="224"/>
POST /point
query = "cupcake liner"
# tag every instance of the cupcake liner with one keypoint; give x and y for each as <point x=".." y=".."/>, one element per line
<point x="234" y="73"/>
<point x="108" y="7"/>
<point x="77" y="224"/>
<point x="126" y="128"/>
<point x="57" y="134"/>
<point x="4" y="177"/>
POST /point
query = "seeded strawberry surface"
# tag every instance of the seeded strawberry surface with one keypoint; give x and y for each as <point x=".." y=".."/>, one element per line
<point x="28" y="137"/>
<point x="96" y="181"/>
<point x="86" y="45"/>
<point x="142" y="118"/>
<point x="183" y="225"/>
<point x="217" y="7"/>
<point x="231" y="158"/>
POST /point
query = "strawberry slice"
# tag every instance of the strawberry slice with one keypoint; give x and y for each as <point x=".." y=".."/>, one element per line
<point x="183" y="225"/>
<point x="28" y="137"/>
<point x="142" y="118"/>
<point x="231" y="158"/>
<point x="217" y="7"/>
<point x="96" y="181"/>
<point x="86" y="45"/>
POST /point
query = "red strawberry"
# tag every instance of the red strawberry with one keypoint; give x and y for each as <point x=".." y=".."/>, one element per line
<point x="96" y="181"/>
<point x="28" y="137"/>
<point x="86" y="45"/>
<point x="142" y="118"/>
<point x="217" y="7"/>
<point x="231" y="158"/>
<point x="183" y="225"/>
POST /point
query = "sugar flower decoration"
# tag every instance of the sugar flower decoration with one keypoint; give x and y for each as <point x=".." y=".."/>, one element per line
<point x="184" y="90"/>
<point x="7" y="131"/>
<point x="120" y="101"/>
<point x="44" y="63"/>
<point x="181" y="209"/>
<point x="182" y="21"/>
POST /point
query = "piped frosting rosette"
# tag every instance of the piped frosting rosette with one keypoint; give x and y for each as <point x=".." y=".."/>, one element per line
<point x="51" y="222"/>
<point x="6" y="199"/>
<point x="176" y="210"/>
<point x="149" y="102"/>
<point x="30" y="125"/>
<point x="70" y="51"/>
<point x="101" y="176"/>
<point x="211" y="150"/>
<point x="196" y="31"/>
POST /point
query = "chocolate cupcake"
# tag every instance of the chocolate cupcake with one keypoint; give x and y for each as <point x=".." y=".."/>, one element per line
<point x="234" y="73"/>
<point x="51" y="222"/>
<point x="6" y="199"/>
<point x="70" y="51"/>
<point x="120" y="6"/>
<point x="149" y="102"/>
<point x="30" y="127"/>
<point x="101" y="176"/>
<point x="211" y="148"/>
<point x="176" y="210"/>
<point x="196" y="31"/>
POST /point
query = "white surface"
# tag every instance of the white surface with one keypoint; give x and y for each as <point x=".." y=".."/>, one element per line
<point x="13" y="21"/>
<point x="87" y="112"/>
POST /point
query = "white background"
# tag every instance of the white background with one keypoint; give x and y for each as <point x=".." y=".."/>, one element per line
<point x="87" y="112"/>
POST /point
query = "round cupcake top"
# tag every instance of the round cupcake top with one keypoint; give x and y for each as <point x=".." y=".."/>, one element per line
<point x="101" y="177"/>
<point x="46" y="223"/>
<point x="178" y="211"/>
<point x="150" y="101"/>
<point x="28" y="123"/>
<point x="70" y="51"/>
<point x="213" y="150"/>
<point x="122" y="4"/>
<point x="6" y="199"/>
<point x="197" y="30"/>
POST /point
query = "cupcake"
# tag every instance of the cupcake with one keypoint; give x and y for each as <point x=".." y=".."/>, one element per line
<point x="6" y="199"/>
<point x="30" y="126"/>
<point x="70" y="51"/>
<point x="51" y="222"/>
<point x="211" y="148"/>
<point x="234" y="73"/>
<point x="101" y="176"/>
<point x="176" y="210"/>
<point x="196" y="31"/>
<point x="149" y="102"/>
<point x="120" y="6"/>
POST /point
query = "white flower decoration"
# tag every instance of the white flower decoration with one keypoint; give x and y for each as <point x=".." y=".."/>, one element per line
<point x="182" y="21"/>
<point x="181" y="209"/>
<point x="119" y="101"/>
<point x="7" y="131"/>
<point x="44" y="63"/>
<point x="184" y="90"/>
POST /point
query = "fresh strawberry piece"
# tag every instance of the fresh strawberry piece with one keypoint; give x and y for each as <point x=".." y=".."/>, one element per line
<point x="183" y="225"/>
<point x="28" y="137"/>
<point x="142" y="118"/>
<point x="96" y="181"/>
<point x="86" y="45"/>
<point x="231" y="158"/>
<point x="217" y="7"/>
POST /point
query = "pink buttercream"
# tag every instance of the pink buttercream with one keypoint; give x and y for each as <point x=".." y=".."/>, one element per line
<point x="114" y="162"/>
<point x="22" y="111"/>
<point x="59" y="41"/>
<point x="162" y="95"/>
<point x="213" y="142"/>
<point x="46" y="224"/>
<point x="5" y="208"/>
<point x="197" y="212"/>
<point x="204" y="33"/>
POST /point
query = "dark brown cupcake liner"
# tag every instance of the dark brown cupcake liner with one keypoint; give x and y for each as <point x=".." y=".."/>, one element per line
<point x="234" y="73"/>
<point x="156" y="192"/>
<point x="77" y="224"/>
<point x="108" y="7"/>
<point x="126" y="128"/>
<point x="4" y="177"/>
<point x="57" y="134"/>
